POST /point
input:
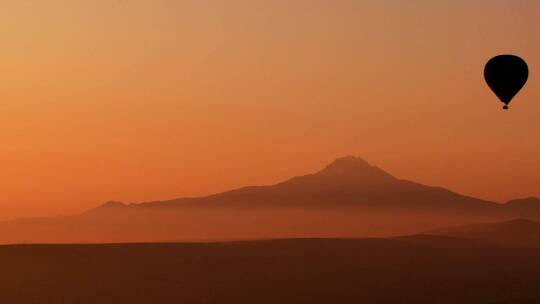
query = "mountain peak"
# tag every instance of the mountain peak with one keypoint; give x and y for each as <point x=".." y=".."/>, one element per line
<point x="348" y="161"/>
<point x="353" y="166"/>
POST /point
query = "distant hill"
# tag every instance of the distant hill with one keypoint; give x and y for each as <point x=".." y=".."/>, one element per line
<point x="516" y="232"/>
<point x="528" y="206"/>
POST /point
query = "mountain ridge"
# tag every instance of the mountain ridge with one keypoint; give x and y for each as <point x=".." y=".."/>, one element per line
<point x="348" y="181"/>
<point x="519" y="231"/>
<point x="347" y="198"/>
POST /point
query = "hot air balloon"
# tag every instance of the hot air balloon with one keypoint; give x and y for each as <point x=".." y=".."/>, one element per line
<point x="506" y="75"/>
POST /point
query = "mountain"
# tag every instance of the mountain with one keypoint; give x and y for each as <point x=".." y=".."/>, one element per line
<point x="521" y="232"/>
<point x="347" y="182"/>
<point x="347" y="198"/>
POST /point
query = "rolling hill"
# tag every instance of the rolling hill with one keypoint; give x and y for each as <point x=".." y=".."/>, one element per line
<point x="520" y="232"/>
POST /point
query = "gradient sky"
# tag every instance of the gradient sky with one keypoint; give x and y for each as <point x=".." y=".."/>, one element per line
<point x="146" y="100"/>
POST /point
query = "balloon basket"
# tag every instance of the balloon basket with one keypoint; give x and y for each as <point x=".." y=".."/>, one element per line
<point x="505" y="108"/>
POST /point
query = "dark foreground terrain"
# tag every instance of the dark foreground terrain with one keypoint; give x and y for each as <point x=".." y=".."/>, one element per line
<point x="417" y="269"/>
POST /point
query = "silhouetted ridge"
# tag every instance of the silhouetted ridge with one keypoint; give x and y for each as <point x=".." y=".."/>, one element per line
<point x="348" y="197"/>
<point x="525" y="206"/>
<point x="108" y="206"/>
<point x="113" y="204"/>
<point x="528" y="202"/>
<point x="520" y="231"/>
<point x="346" y="182"/>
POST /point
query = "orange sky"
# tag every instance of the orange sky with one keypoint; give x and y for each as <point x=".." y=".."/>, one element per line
<point x="145" y="100"/>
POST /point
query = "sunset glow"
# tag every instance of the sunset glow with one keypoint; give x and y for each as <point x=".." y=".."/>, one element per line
<point x="146" y="100"/>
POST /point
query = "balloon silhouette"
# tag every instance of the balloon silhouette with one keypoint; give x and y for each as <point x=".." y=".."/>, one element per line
<point x="506" y="75"/>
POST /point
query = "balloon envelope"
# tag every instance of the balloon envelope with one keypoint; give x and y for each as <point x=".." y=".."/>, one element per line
<point x="506" y="75"/>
